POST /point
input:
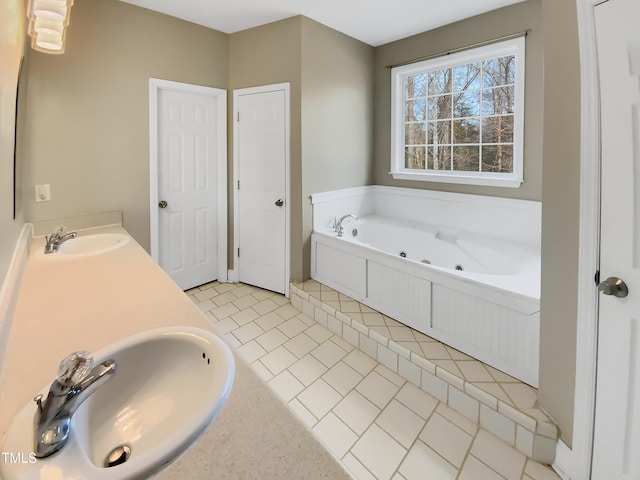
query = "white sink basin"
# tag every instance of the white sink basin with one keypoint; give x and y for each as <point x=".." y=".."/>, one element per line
<point x="92" y="244"/>
<point x="170" y="384"/>
<point x="85" y="246"/>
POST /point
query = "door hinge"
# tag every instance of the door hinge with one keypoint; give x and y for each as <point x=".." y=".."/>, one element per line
<point x="596" y="277"/>
<point x="238" y="184"/>
<point x="238" y="117"/>
<point x="238" y="252"/>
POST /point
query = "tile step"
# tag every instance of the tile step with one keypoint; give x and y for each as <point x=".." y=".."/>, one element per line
<point x="531" y="433"/>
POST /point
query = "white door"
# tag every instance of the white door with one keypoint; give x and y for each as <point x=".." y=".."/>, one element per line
<point x="191" y="143"/>
<point x="262" y="150"/>
<point x="617" y="424"/>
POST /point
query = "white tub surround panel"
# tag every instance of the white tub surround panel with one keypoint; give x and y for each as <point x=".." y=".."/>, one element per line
<point x="400" y="258"/>
<point x="328" y="206"/>
<point x="352" y="268"/>
<point x="502" y="337"/>
<point x="401" y="294"/>
<point x="507" y="219"/>
<point x="496" y="327"/>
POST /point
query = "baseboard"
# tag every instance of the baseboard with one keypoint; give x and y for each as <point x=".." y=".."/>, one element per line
<point x="562" y="463"/>
<point x="232" y="276"/>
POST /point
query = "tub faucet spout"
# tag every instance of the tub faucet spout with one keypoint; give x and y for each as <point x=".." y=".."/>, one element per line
<point x="338" y="225"/>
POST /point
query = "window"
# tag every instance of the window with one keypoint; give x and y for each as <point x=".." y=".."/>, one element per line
<point x="459" y="118"/>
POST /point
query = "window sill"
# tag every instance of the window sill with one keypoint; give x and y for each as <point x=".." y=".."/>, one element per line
<point x="486" y="181"/>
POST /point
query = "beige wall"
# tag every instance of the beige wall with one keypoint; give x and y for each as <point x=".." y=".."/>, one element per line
<point x="513" y="19"/>
<point x="267" y="55"/>
<point x="12" y="47"/>
<point x="88" y="109"/>
<point x="331" y="98"/>
<point x="337" y="117"/>
<point x="560" y="213"/>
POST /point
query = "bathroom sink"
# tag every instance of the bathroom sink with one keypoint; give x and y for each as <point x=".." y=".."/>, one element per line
<point x="85" y="246"/>
<point x="170" y="384"/>
<point x="92" y="244"/>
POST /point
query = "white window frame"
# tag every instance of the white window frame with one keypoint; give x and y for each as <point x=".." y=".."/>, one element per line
<point x="514" y="179"/>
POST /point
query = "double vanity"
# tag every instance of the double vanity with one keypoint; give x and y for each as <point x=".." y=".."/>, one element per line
<point x="174" y="393"/>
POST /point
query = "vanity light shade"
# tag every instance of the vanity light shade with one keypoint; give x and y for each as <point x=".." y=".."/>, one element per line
<point x="48" y="20"/>
<point x="48" y="43"/>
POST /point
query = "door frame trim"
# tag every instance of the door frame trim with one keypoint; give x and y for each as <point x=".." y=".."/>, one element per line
<point x="155" y="86"/>
<point x="236" y="213"/>
<point x="589" y="246"/>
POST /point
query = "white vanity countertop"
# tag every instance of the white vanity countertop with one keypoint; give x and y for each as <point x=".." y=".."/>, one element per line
<point x="88" y="303"/>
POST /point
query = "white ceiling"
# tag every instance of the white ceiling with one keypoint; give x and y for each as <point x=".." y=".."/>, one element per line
<point x="375" y="22"/>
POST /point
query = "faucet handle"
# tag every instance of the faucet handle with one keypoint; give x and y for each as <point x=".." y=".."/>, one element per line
<point x="74" y="368"/>
<point x="55" y="235"/>
<point x="59" y="230"/>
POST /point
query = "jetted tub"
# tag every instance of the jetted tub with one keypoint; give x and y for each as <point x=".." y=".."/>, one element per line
<point x="477" y="292"/>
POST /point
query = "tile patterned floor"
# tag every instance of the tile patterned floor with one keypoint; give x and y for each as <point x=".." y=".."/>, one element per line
<point x="379" y="425"/>
<point x="502" y="386"/>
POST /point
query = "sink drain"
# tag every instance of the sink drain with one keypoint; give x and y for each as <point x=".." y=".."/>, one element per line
<point x="118" y="456"/>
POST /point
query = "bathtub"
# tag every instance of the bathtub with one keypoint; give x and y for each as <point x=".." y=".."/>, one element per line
<point x="477" y="292"/>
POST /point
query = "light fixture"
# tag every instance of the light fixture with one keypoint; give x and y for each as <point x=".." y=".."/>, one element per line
<point x="48" y="20"/>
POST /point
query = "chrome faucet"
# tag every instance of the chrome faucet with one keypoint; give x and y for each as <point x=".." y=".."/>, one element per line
<point x="337" y="224"/>
<point x="75" y="382"/>
<point x="55" y="239"/>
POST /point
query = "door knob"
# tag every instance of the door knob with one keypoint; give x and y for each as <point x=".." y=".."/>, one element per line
<point x="279" y="202"/>
<point x="614" y="286"/>
<point x="162" y="204"/>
